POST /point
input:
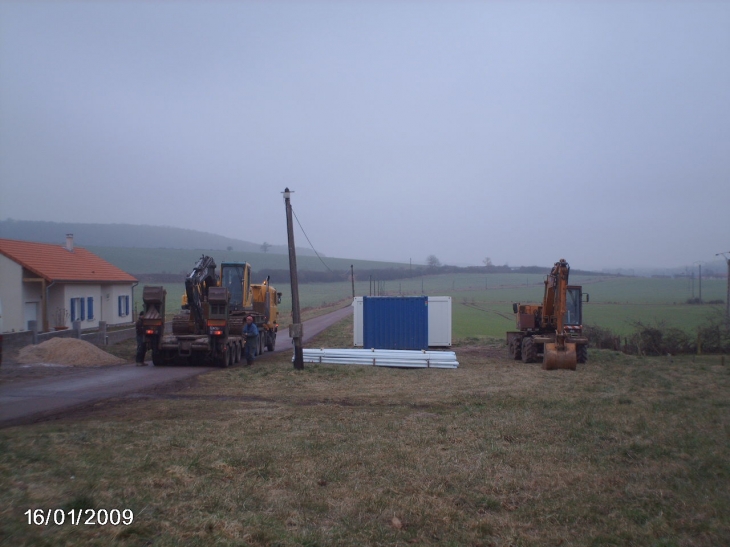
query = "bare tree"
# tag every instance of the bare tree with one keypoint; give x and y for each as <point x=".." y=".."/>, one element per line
<point x="265" y="247"/>
<point x="487" y="262"/>
<point x="433" y="262"/>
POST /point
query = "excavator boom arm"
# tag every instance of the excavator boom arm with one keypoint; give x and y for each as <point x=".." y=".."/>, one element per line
<point x="197" y="283"/>
<point x="554" y="301"/>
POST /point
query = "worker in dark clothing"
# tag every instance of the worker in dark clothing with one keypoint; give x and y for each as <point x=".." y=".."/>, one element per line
<point x="141" y="344"/>
<point x="251" y="334"/>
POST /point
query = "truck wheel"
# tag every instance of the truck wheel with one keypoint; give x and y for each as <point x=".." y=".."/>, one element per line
<point x="271" y="341"/>
<point x="158" y="358"/>
<point x="221" y="360"/>
<point x="260" y="344"/>
<point x="529" y="351"/>
<point x="238" y="352"/>
<point x="581" y="353"/>
<point x="231" y="355"/>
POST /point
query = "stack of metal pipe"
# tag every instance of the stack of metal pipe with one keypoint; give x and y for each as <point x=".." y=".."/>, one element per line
<point x="383" y="357"/>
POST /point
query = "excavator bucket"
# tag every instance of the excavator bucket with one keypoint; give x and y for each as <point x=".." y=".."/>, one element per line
<point x="559" y="358"/>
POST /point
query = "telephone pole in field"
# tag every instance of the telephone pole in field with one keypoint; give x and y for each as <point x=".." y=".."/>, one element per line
<point x="295" y="330"/>
<point x="726" y="256"/>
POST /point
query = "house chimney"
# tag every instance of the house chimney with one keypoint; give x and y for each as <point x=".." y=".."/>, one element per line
<point x="70" y="242"/>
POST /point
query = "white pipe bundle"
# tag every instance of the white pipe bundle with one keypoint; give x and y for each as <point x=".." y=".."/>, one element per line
<point x="382" y="357"/>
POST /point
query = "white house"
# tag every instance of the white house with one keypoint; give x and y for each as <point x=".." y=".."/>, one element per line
<point x="56" y="285"/>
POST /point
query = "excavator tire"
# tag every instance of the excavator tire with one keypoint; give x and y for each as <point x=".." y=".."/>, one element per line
<point x="581" y="352"/>
<point x="529" y="351"/>
<point x="515" y="349"/>
<point x="271" y="341"/>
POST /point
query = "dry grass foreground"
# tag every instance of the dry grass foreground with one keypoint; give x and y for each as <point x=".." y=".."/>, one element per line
<point x="67" y="351"/>
<point x="624" y="451"/>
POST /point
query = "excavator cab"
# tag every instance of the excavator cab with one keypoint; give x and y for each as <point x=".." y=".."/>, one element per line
<point x="235" y="276"/>
<point x="573" y="309"/>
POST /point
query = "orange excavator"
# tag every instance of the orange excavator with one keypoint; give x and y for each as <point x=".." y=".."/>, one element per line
<point x="551" y="331"/>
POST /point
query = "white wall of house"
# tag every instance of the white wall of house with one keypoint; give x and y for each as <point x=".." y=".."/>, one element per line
<point x="111" y="299"/>
<point x="11" y="294"/>
<point x="81" y="300"/>
<point x="105" y="303"/>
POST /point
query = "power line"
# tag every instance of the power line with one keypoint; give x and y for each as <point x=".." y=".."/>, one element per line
<point x="310" y="243"/>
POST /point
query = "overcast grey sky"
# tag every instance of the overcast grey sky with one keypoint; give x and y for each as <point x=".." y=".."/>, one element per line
<point x="522" y="131"/>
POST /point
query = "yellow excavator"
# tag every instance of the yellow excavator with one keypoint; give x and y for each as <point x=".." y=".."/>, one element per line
<point x="551" y="331"/>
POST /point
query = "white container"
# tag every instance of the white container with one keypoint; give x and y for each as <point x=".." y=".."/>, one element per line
<point x="357" y="321"/>
<point x="439" y="321"/>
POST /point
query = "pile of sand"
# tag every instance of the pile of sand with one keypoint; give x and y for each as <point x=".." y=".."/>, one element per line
<point x="67" y="351"/>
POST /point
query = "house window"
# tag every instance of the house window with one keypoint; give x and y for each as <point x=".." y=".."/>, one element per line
<point x="78" y="309"/>
<point x="123" y="304"/>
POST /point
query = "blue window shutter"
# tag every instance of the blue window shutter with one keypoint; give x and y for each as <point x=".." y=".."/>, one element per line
<point x="90" y="305"/>
<point x="82" y="309"/>
<point x="126" y="305"/>
<point x="73" y="310"/>
<point x="119" y="302"/>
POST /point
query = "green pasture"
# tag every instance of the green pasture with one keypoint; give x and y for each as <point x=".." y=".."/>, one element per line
<point x="482" y="304"/>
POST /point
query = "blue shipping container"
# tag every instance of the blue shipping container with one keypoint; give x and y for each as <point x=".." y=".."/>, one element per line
<point x="395" y="322"/>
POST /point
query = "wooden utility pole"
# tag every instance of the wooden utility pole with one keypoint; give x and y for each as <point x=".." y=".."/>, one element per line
<point x="727" y="299"/>
<point x="726" y="256"/>
<point x="352" y="277"/>
<point x="700" y="283"/>
<point x="295" y="329"/>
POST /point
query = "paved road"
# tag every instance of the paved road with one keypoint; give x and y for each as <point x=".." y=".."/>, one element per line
<point x="24" y="402"/>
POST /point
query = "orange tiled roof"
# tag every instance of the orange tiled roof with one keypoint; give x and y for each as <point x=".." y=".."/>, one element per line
<point x="55" y="263"/>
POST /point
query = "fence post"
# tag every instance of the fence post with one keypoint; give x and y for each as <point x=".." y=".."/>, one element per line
<point x="102" y="340"/>
<point x="33" y="327"/>
<point x="77" y="329"/>
<point x="699" y="344"/>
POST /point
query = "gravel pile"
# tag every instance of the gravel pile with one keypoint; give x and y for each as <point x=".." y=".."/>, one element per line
<point x="67" y="351"/>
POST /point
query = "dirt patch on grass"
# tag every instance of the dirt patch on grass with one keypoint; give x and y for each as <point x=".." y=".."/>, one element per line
<point x="486" y="352"/>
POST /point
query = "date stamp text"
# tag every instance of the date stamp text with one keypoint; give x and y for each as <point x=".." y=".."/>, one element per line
<point x="76" y="517"/>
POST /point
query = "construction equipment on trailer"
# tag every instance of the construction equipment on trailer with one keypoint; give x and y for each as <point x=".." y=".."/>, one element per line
<point x="259" y="300"/>
<point x="552" y="331"/>
<point x="209" y="326"/>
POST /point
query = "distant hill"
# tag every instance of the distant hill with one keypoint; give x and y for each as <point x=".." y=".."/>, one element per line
<point x="178" y="262"/>
<point x="129" y="235"/>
